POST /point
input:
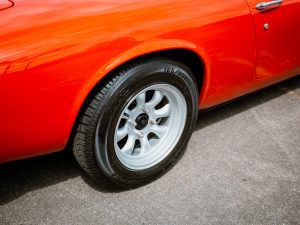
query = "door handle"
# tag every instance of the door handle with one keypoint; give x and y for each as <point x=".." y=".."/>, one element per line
<point x="9" y="4"/>
<point x="268" y="5"/>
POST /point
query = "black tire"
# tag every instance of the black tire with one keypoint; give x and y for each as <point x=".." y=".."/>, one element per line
<point x="93" y="142"/>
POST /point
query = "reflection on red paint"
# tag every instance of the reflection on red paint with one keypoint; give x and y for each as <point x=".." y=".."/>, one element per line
<point x="52" y="53"/>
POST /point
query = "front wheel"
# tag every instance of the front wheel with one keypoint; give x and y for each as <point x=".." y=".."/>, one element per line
<point x="136" y="125"/>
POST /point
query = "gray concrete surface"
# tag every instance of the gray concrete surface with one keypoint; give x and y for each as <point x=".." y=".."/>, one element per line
<point x="242" y="166"/>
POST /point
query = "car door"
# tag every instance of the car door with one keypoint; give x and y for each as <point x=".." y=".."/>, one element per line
<point x="277" y="25"/>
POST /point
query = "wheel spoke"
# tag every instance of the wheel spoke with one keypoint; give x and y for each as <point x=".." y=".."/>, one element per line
<point x="163" y="112"/>
<point x="157" y="97"/>
<point x="141" y="99"/>
<point x="158" y="130"/>
<point x="126" y="115"/>
<point x="129" y="146"/>
<point x="145" y="144"/>
<point x="122" y="132"/>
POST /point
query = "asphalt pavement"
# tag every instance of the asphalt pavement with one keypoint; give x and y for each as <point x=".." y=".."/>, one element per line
<point x="242" y="166"/>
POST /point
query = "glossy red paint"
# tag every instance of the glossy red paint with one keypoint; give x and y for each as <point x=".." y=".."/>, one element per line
<point x="52" y="53"/>
<point x="278" y="47"/>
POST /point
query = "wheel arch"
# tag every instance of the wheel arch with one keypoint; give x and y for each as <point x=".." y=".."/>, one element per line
<point x="185" y="53"/>
<point x="186" y="56"/>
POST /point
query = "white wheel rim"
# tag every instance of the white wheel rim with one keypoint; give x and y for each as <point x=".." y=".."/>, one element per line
<point x="150" y="126"/>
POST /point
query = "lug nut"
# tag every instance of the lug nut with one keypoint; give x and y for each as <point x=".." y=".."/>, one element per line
<point x="140" y="134"/>
<point x="132" y="123"/>
<point x="146" y="110"/>
<point x="153" y="122"/>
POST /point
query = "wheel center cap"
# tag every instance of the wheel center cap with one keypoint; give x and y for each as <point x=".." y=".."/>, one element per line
<point x="142" y="121"/>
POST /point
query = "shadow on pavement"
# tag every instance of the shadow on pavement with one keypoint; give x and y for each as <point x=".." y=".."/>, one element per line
<point x="18" y="178"/>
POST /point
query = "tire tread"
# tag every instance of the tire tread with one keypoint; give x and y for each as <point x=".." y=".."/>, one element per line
<point x="85" y="153"/>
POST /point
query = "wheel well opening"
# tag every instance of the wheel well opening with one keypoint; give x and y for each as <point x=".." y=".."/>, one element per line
<point x="187" y="57"/>
<point x="191" y="60"/>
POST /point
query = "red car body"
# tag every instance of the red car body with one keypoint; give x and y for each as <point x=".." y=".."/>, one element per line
<point x="52" y="54"/>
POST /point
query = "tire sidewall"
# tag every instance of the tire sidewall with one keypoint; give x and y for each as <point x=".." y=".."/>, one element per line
<point x="130" y="83"/>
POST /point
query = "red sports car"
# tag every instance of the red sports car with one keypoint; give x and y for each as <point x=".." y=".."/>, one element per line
<point x="122" y="81"/>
